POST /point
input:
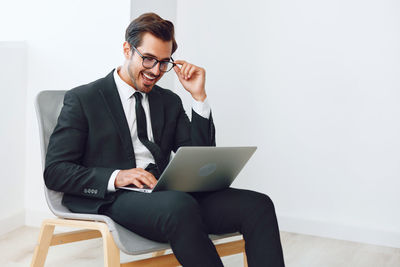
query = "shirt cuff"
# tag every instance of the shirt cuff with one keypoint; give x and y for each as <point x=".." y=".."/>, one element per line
<point x="111" y="182"/>
<point x="202" y="108"/>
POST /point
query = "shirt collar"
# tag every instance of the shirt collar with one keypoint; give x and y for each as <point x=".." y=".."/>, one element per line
<point x="125" y="90"/>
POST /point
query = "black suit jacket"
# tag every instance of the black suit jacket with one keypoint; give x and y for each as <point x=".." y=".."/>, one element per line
<point x="92" y="139"/>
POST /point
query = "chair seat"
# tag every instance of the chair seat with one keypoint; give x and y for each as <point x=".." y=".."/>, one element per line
<point x="142" y="245"/>
<point x="129" y="242"/>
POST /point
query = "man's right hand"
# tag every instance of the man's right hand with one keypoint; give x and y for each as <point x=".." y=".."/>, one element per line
<point x="136" y="176"/>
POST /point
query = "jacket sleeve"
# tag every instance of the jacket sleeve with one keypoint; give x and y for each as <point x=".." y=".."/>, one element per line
<point x="64" y="170"/>
<point x="198" y="132"/>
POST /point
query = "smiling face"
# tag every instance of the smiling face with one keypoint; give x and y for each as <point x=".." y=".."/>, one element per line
<point x="134" y="73"/>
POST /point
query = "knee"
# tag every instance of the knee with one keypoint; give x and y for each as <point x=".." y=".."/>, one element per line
<point x="264" y="202"/>
<point x="261" y="202"/>
<point x="262" y="213"/>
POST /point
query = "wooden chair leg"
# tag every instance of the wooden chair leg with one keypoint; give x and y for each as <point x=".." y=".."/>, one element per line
<point x="41" y="249"/>
<point x="111" y="251"/>
<point x="245" y="259"/>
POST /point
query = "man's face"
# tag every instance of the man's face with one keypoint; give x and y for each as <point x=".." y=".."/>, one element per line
<point x="144" y="79"/>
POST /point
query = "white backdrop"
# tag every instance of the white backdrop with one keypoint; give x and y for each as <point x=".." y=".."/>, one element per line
<point x="69" y="43"/>
<point x="313" y="84"/>
<point x="13" y="81"/>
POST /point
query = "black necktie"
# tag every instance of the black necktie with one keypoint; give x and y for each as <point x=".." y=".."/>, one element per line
<point x="142" y="134"/>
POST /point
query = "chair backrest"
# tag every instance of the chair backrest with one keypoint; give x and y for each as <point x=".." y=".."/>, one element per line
<point x="48" y="106"/>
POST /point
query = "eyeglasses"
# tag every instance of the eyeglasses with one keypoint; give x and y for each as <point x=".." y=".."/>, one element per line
<point x="150" y="62"/>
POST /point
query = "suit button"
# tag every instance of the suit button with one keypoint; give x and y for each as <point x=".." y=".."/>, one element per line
<point x="85" y="191"/>
<point x="95" y="191"/>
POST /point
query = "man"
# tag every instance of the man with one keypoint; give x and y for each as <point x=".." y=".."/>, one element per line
<point x="121" y="129"/>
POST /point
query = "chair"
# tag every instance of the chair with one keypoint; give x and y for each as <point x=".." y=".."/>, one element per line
<point x="48" y="105"/>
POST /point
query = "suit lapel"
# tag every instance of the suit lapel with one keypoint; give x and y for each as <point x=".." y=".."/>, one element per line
<point x="114" y="106"/>
<point x="156" y="113"/>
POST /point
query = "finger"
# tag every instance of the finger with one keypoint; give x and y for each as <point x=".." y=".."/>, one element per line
<point x="186" y="73"/>
<point x="152" y="179"/>
<point x="177" y="68"/>
<point x="180" y="62"/>
<point x="184" y="70"/>
<point x="137" y="183"/>
<point x="148" y="178"/>
<point x="190" y="71"/>
<point x="145" y="181"/>
<point x="178" y="72"/>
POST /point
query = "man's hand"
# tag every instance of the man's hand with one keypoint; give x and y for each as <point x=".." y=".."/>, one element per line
<point x="192" y="78"/>
<point x="136" y="176"/>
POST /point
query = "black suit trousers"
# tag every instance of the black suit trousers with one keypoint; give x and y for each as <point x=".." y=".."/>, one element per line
<point x="185" y="220"/>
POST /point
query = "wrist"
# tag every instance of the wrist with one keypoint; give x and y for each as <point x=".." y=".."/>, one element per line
<point x="200" y="97"/>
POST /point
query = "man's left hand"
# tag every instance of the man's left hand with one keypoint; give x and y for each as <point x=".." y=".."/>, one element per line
<point x="192" y="78"/>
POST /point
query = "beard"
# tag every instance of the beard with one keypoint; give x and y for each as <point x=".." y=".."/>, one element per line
<point x="137" y="84"/>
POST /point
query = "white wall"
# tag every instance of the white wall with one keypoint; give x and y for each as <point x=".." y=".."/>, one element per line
<point x="69" y="43"/>
<point x="315" y="85"/>
<point x="13" y="81"/>
<point x="13" y="20"/>
<point x="164" y="8"/>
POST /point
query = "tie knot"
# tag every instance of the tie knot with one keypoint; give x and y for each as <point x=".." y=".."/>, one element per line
<point x="138" y="96"/>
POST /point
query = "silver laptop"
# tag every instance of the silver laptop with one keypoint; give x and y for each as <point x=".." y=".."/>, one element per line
<point x="197" y="169"/>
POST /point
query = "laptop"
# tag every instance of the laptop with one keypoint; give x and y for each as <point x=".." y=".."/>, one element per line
<point x="198" y="169"/>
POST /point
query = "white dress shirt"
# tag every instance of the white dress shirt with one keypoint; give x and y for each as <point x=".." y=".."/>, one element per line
<point x="142" y="155"/>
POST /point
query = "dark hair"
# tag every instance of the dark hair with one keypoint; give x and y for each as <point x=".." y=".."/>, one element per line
<point x="151" y="23"/>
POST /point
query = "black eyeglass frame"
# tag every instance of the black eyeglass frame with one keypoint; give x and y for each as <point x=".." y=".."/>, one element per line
<point x="156" y="61"/>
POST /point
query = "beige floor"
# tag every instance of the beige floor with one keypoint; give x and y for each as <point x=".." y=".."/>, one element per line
<point x="16" y="249"/>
